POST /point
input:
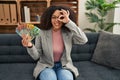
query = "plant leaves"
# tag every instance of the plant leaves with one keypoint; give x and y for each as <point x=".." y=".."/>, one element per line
<point x="90" y="5"/>
<point x="97" y="12"/>
<point x="93" y="18"/>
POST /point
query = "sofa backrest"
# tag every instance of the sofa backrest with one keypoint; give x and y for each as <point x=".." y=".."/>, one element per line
<point x="11" y="49"/>
<point x="84" y="52"/>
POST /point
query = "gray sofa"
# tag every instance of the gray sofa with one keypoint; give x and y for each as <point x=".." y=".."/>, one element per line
<point x="16" y="64"/>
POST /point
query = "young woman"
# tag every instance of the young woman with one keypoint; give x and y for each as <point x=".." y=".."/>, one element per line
<point x="52" y="47"/>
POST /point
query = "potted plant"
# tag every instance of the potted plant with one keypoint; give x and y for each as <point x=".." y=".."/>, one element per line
<point x="97" y="12"/>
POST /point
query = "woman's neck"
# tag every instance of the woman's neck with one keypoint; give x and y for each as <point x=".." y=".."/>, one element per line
<point x="56" y="30"/>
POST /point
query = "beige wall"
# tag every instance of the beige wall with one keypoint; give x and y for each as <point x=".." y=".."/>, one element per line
<point x="82" y="19"/>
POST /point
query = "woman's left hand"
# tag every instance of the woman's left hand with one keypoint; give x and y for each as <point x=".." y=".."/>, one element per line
<point x="64" y="17"/>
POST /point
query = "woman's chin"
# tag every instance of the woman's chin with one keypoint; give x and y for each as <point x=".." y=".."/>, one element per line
<point x="56" y="29"/>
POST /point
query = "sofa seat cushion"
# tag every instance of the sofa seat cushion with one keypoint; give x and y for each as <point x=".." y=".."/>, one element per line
<point x="88" y="71"/>
<point x="16" y="71"/>
<point x="92" y="71"/>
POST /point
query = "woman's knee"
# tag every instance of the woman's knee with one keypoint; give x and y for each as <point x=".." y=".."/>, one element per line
<point x="64" y="74"/>
<point x="48" y="74"/>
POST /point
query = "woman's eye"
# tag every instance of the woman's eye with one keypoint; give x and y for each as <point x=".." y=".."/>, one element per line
<point x="61" y="17"/>
<point x="54" y="17"/>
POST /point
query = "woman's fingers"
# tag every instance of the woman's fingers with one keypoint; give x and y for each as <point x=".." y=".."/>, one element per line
<point x="26" y="41"/>
<point x="65" y="12"/>
<point x="68" y="12"/>
<point x="64" y="17"/>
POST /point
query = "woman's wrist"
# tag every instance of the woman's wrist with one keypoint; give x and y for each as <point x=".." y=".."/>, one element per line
<point x="67" y="21"/>
<point x="30" y="45"/>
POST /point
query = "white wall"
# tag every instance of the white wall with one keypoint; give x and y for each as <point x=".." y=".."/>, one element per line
<point x="116" y="28"/>
<point x="82" y="19"/>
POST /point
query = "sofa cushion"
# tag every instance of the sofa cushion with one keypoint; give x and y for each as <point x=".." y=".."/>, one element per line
<point x="16" y="71"/>
<point x="88" y="71"/>
<point x="91" y="71"/>
<point x="107" y="51"/>
<point x="12" y="51"/>
<point x="85" y="51"/>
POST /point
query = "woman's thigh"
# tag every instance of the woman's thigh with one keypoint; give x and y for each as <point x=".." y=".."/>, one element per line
<point x="47" y="74"/>
<point x="64" y="74"/>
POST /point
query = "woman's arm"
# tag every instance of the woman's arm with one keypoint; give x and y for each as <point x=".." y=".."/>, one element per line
<point x="79" y="36"/>
<point x="36" y="49"/>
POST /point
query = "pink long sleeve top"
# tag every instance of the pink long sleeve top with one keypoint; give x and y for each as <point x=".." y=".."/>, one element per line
<point x="58" y="45"/>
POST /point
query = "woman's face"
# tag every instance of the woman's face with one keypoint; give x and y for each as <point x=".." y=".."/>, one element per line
<point x="55" y="22"/>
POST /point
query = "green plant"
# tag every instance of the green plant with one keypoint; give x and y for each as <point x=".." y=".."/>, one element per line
<point x="97" y="12"/>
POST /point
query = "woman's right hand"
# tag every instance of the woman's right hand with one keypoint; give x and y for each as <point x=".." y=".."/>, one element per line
<point x="26" y="41"/>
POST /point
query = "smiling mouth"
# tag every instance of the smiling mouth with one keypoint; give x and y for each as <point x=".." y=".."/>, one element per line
<point x="56" y="24"/>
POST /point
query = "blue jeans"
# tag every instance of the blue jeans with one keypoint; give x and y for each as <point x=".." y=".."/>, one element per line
<point x="56" y="73"/>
